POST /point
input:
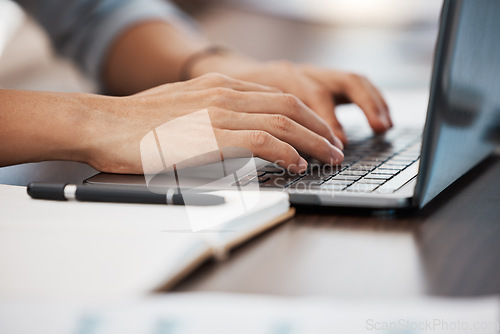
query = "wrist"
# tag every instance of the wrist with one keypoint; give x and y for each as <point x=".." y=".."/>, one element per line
<point x="73" y="136"/>
<point x="228" y="62"/>
<point x="187" y="65"/>
<point x="114" y="128"/>
<point x="99" y="121"/>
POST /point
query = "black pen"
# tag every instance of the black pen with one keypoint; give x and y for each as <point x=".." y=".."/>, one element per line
<point x="118" y="194"/>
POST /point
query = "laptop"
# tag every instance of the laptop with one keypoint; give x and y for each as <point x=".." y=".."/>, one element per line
<point x="404" y="168"/>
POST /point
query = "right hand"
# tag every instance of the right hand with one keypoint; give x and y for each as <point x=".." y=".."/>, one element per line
<point x="272" y="125"/>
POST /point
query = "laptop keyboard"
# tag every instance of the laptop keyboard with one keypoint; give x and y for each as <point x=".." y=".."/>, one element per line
<point x="371" y="164"/>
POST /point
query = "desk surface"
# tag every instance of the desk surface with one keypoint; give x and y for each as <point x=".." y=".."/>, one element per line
<point x="450" y="248"/>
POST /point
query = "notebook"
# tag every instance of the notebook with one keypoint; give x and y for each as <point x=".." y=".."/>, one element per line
<point x="100" y="250"/>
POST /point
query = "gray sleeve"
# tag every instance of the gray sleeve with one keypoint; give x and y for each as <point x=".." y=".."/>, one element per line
<point x="85" y="29"/>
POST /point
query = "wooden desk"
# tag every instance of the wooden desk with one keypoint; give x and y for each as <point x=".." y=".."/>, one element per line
<point x="452" y="247"/>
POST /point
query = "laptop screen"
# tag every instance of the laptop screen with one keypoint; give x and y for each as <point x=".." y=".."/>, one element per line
<point x="464" y="106"/>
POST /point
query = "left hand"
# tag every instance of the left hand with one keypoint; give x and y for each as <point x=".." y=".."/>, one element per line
<point x="320" y="89"/>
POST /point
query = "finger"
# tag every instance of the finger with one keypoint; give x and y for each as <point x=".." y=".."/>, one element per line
<point x="359" y="92"/>
<point x="284" y="104"/>
<point x="212" y="80"/>
<point x="283" y="128"/>
<point x="320" y="99"/>
<point x="263" y="145"/>
<point x="356" y="89"/>
<point x="383" y="102"/>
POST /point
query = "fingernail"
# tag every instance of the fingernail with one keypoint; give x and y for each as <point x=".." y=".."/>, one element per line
<point x="336" y="155"/>
<point x="302" y="164"/>
<point x="390" y="121"/>
<point x="385" y="121"/>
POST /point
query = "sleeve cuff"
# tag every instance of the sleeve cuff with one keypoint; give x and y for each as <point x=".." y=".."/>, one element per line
<point x="96" y="46"/>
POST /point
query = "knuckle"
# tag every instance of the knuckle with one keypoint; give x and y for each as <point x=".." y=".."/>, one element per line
<point x="352" y="82"/>
<point x="274" y="89"/>
<point x="281" y="123"/>
<point x="353" y="76"/>
<point x="259" y="139"/>
<point x="306" y="66"/>
<point x="220" y="91"/>
<point x="208" y="76"/>
<point x="216" y="79"/>
<point x="356" y="78"/>
<point x="215" y="113"/>
<point x="321" y="91"/>
<point x="219" y="133"/>
<point x="292" y="101"/>
<point x="219" y="96"/>
<point x="285" y="65"/>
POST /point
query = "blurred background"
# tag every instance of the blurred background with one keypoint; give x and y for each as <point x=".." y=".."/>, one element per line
<point x="390" y="41"/>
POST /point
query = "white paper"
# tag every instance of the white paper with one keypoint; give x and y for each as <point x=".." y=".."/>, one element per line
<point x="105" y="250"/>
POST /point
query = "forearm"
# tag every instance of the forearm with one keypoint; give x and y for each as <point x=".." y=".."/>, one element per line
<point x="38" y="126"/>
<point x="113" y="134"/>
<point x="147" y="55"/>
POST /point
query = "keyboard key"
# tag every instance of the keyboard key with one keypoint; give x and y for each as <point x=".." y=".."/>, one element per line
<point x="314" y="177"/>
<point x="256" y="173"/>
<point x="368" y="163"/>
<point x="349" y="161"/>
<point x="275" y="180"/>
<point x="385" y="176"/>
<point x="361" y="187"/>
<point x="244" y="180"/>
<point x="379" y="156"/>
<point x="361" y="168"/>
<point x="261" y="179"/>
<point x="371" y="181"/>
<point x="335" y="182"/>
<point x="315" y="184"/>
<point x="378" y="176"/>
<point x="353" y="172"/>
<point x="400" y="159"/>
<point x="275" y="169"/>
<point x="387" y="170"/>
<point x="395" y="164"/>
<point x="409" y="156"/>
<point x="333" y="187"/>
<point x="397" y="181"/>
<point x="345" y="177"/>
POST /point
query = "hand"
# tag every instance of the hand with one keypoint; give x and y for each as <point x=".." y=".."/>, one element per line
<point x="269" y="123"/>
<point x="320" y="89"/>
